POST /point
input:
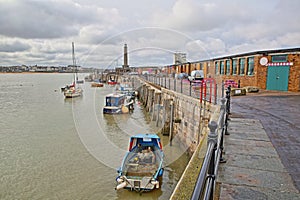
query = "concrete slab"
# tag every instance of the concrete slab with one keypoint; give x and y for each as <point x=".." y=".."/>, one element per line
<point x="256" y="178"/>
<point x="253" y="169"/>
<point x="279" y="114"/>
<point x="258" y="162"/>
<point x="235" y="192"/>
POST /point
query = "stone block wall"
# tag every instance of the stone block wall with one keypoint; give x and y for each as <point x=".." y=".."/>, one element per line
<point x="189" y="119"/>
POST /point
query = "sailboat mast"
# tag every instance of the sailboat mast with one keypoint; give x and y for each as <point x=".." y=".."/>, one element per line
<point x="74" y="63"/>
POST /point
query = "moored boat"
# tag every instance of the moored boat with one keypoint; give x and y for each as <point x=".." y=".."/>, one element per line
<point x="112" y="82"/>
<point x="97" y="84"/>
<point x="73" y="90"/>
<point x="142" y="165"/>
<point x="117" y="104"/>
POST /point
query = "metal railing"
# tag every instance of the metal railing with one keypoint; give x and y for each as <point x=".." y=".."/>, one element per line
<point x="205" y="186"/>
<point x="205" y="90"/>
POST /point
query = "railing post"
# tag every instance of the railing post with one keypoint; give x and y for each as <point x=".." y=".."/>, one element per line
<point x="175" y="88"/>
<point x="181" y="86"/>
<point x="227" y="109"/>
<point x="211" y="145"/>
<point x="223" y="88"/>
<point x="165" y="81"/>
<point x="212" y="136"/>
<point x="223" y="112"/>
<point x="216" y="94"/>
<point x="228" y="98"/>
<point x="212" y="140"/>
<point x="190" y="88"/>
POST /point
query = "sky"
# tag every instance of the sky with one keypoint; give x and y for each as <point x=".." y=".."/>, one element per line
<point x="41" y="32"/>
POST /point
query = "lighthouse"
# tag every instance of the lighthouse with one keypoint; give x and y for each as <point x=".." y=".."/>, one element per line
<point x="125" y="65"/>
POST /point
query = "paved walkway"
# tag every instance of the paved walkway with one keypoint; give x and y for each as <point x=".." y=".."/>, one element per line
<point x="253" y="169"/>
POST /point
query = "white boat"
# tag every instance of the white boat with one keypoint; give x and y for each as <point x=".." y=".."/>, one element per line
<point x="73" y="90"/>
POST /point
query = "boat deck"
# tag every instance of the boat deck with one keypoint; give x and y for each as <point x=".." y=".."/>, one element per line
<point x="141" y="169"/>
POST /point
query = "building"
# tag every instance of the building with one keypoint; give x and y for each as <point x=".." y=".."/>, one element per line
<point x="268" y="69"/>
<point x="179" y="58"/>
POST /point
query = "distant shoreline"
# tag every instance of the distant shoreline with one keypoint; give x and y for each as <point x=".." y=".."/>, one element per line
<point x="40" y="72"/>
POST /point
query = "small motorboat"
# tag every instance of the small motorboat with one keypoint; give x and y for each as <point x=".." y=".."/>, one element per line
<point x="142" y="165"/>
<point x="97" y="83"/>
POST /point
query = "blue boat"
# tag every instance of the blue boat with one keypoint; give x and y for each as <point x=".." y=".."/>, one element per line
<point x="117" y="104"/>
<point x="142" y="165"/>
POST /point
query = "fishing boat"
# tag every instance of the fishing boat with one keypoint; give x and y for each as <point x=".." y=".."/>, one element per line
<point x="142" y="166"/>
<point x="117" y="103"/>
<point x="73" y="90"/>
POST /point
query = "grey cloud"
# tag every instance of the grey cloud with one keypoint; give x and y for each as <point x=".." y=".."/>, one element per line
<point x="48" y="19"/>
<point x="13" y="46"/>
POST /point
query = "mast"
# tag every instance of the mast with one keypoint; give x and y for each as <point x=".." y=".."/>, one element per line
<point x="74" y="63"/>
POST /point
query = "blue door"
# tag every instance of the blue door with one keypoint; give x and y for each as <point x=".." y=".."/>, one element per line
<point x="278" y="78"/>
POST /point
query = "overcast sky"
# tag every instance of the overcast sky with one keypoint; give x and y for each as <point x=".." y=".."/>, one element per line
<point x="41" y="31"/>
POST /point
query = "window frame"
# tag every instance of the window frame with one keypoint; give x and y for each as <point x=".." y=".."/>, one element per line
<point x="222" y="72"/>
<point x="234" y="66"/>
<point x="242" y="66"/>
<point x="227" y="64"/>
<point x="250" y="66"/>
<point x="217" y="72"/>
<point x="273" y="58"/>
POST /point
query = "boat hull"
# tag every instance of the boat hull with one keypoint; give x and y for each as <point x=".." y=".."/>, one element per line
<point x="112" y="110"/>
<point x="97" y="85"/>
<point x="71" y="93"/>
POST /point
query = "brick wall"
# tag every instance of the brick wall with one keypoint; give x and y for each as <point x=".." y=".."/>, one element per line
<point x="294" y="78"/>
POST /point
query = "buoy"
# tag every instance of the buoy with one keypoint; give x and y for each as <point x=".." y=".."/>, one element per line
<point x="120" y="186"/>
<point x="124" y="109"/>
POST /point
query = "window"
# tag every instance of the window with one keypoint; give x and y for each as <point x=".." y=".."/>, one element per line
<point x="279" y="58"/>
<point x="216" y="68"/>
<point x="250" y="70"/>
<point x="201" y="66"/>
<point x="227" y="67"/>
<point x="242" y="66"/>
<point x="222" y="67"/>
<point x="234" y="67"/>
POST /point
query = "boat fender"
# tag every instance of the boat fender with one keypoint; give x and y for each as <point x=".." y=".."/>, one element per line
<point x="130" y="106"/>
<point x="121" y="185"/>
<point x="161" y="171"/>
<point x="119" y="179"/>
<point x="156" y="183"/>
<point x="124" y="109"/>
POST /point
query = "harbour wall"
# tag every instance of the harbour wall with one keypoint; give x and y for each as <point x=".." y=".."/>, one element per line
<point x="178" y="115"/>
